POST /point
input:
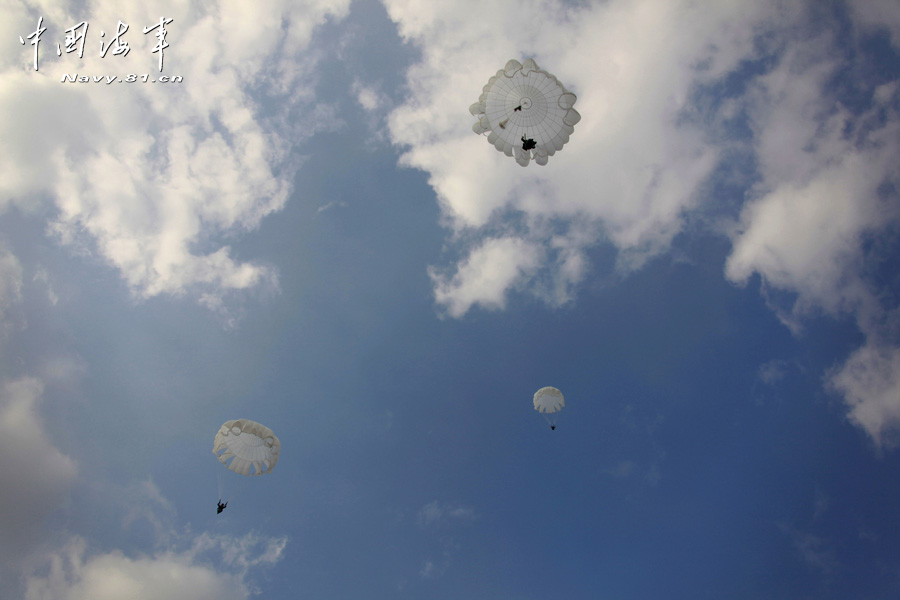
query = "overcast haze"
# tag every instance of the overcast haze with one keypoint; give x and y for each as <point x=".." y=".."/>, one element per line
<point x="303" y="230"/>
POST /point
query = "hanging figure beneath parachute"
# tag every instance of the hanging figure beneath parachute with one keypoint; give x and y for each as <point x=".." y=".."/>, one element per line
<point x="247" y="448"/>
<point x="523" y="100"/>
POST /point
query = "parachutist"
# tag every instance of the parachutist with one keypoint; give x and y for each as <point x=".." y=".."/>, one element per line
<point x="220" y="507"/>
<point x="553" y="428"/>
<point x="528" y="144"/>
<point x="518" y="108"/>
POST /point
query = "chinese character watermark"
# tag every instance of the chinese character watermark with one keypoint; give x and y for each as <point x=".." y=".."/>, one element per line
<point x="121" y="46"/>
<point x="76" y="35"/>
<point x="161" y="44"/>
<point x="35" y="40"/>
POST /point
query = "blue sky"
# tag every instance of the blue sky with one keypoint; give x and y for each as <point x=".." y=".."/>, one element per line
<point x="306" y="232"/>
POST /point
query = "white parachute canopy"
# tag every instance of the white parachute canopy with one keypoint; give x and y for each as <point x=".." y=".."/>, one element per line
<point x="549" y="401"/>
<point x="242" y="445"/>
<point x="526" y="112"/>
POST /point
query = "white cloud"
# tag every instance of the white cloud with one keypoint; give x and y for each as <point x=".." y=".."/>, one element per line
<point x="807" y="238"/>
<point x="368" y="96"/>
<point x="10" y="290"/>
<point x="430" y="569"/>
<point x="870" y="383"/>
<point x="330" y="205"/>
<point x="153" y="176"/>
<point x="878" y="14"/>
<point x="38" y="476"/>
<point x="437" y="513"/>
<point x="773" y="371"/>
<point x="822" y="169"/>
<point x="486" y="275"/>
<point x="440" y="521"/>
<point x="144" y="502"/>
<point x="816" y="551"/>
<point x="241" y="554"/>
<point x="41" y="275"/>
<point x="169" y="575"/>
<point x="632" y="167"/>
<point x="818" y="214"/>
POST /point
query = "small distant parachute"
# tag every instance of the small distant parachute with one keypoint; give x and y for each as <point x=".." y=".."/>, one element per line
<point x="526" y="112"/>
<point x="247" y="447"/>
<point x="549" y="401"/>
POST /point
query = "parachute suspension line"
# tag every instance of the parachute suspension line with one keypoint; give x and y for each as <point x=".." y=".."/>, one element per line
<point x="549" y="401"/>
<point x="220" y="480"/>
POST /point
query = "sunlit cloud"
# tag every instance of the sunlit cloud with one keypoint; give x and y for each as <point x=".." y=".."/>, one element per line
<point x="154" y="179"/>
<point x="77" y="574"/>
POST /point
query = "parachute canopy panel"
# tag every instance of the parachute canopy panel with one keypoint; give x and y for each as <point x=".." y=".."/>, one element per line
<point x="247" y="447"/>
<point x="548" y="400"/>
<point x="526" y="112"/>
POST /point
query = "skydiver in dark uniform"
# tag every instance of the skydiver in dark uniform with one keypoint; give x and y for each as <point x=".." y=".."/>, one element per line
<point x="220" y="507"/>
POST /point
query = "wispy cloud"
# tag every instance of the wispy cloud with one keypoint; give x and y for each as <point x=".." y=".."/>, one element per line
<point x="814" y="550"/>
<point x="772" y="371"/>
<point x="330" y="205"/>
<point x="437" y="514"/>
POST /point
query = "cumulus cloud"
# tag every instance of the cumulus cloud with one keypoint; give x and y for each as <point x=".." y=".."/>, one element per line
<point x="486" y="275"/>
<point x="825" y="203"/>
<point x="633" y="166"/>
<point x="154" y="178"/>
<point x="38" y="476"/>
<point x="76" y="575"/>
<point x="820" y="198"/>
<point x="870" y="383"/>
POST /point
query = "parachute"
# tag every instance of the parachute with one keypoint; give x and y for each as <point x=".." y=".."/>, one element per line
<point x="243" y="444"/>
<point x="247" y="448"/>
<point x="526" y="111"/>
<point x="549" y="401"/>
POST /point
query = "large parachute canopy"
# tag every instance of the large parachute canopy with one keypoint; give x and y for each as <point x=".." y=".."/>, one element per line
<point x="549" y="401"/>
<point x="242" y="445"/>
<point x="526" y="112"/>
